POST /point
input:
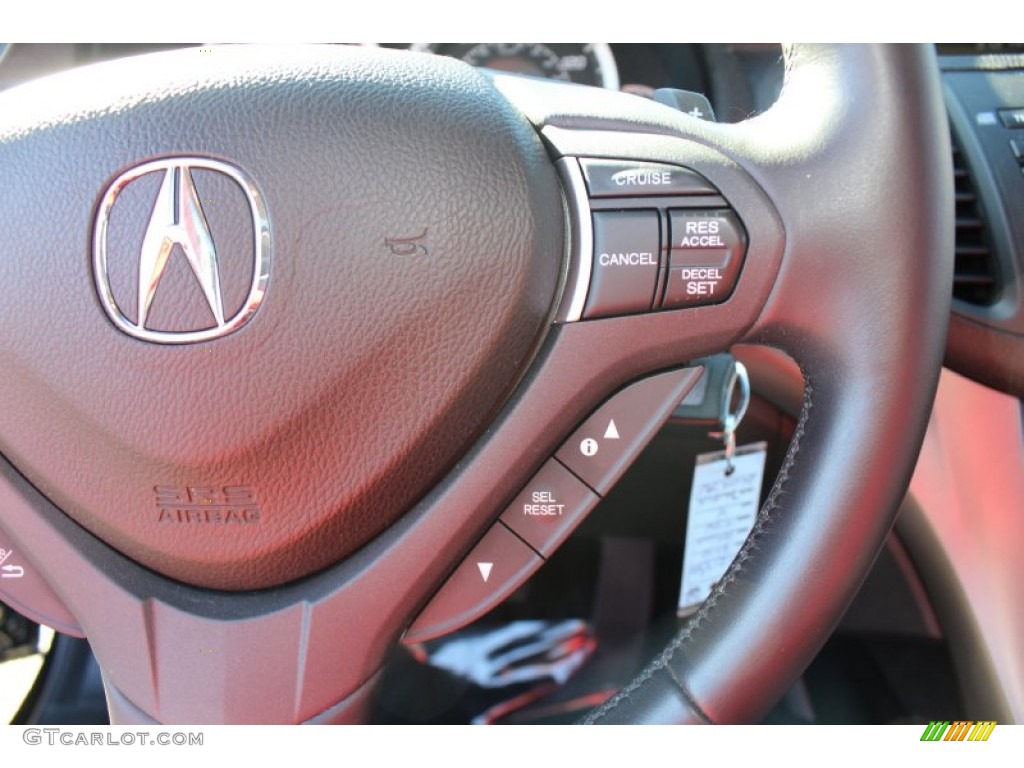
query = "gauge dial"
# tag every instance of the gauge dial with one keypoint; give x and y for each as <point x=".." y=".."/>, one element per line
<point x="586" y="63"/>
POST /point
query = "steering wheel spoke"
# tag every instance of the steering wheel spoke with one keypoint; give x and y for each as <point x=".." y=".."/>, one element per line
<point x="853" y="161"/>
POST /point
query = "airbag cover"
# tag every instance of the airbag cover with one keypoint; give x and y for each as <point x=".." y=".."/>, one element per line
<point x="416" y="228"/>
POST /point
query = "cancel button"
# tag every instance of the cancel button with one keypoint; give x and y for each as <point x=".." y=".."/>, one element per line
<point x="635" y="259"/>
<point x="624" y="271"/>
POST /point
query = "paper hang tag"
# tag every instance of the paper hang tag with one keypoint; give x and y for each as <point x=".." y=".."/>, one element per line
<point x="723" y="508"/>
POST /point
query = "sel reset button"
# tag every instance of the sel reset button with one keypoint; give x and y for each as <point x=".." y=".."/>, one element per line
<point x="707" y="253"/>
<point x="548" y="509"/>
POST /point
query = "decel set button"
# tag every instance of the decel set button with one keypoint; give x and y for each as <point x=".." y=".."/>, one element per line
<point x="705" y="257"/>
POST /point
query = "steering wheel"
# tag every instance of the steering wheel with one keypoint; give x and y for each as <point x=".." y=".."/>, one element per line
<point x="245" y="461"/>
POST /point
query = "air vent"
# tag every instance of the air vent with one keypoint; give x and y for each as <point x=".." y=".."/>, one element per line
<point x="976" y="273"/>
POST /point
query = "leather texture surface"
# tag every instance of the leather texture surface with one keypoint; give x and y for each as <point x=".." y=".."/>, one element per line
<point x="368" y="369"/>
<point x="855" y="157"/>
<point x="853" y="163"/>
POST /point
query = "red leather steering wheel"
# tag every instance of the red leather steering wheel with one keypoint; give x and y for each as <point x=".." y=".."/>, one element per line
<point x="331" y="457"/>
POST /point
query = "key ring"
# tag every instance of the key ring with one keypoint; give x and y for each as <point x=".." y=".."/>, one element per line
<point x="729" y="419"/>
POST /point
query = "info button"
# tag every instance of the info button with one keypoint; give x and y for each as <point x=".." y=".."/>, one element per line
<point x="548" y="509"/>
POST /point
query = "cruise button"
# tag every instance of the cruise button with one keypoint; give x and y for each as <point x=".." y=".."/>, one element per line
<point x="549" y="508"/>
<point x="621" y="178"/>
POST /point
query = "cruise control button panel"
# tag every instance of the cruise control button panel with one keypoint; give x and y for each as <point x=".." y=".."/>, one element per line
<point x="654" y="237"/>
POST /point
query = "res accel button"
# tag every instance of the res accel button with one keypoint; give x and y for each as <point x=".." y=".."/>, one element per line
<point x="492" y="570"/>
<point x="552" y="504"/>
<point x="705" y="258"/>
<point x="624" y="274"/>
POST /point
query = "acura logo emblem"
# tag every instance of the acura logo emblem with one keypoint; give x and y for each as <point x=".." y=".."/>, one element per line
<point x="178" y="220"/>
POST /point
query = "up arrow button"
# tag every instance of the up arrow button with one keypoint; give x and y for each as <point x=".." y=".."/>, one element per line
<point x="623" y="426"/>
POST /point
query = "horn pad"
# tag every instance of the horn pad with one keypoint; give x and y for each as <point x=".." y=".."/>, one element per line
<point x="238" y="380"/>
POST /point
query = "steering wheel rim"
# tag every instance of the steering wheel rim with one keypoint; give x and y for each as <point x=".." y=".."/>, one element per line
<point x="859" y="299"/>
<point x="718" y="667"/>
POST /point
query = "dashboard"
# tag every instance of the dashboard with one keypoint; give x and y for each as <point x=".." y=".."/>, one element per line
<point x="742" y="79"/>
<point x="946" y="589"/>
